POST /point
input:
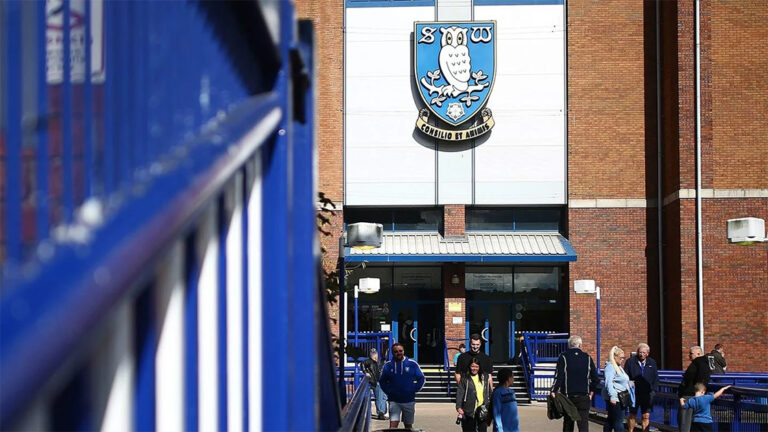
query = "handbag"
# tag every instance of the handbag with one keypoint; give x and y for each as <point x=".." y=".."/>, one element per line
<point x="481" y="414"/>
<point x="624" y="399"/>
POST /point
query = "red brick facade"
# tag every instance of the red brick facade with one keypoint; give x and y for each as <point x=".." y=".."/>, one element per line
<point x="612" y="155"/>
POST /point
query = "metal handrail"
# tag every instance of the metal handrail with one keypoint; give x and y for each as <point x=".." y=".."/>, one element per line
<point x="356" y="415"/>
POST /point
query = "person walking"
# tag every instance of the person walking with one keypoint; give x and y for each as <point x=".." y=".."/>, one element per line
<point x="576" y="377"/>
<point x="719" y="355"/>
<point x="473" y="399"/>
<point x="401" y="379"/>
<point x="617" y="391"/>
<point x="372" y="370"/>
<point x="462" y="363"/>
<point x="504" y="404"/>
<point x="643" y="371"/>
<point x="462" y="350"/>
<point x="698" y="371"/>
<point x="700" y="404"/>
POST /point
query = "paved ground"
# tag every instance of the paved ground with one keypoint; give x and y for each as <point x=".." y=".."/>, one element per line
<point x="438" y="417"/>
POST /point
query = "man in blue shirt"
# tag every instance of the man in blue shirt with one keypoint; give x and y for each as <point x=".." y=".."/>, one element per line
<point x="504" y="404"/>
<point x="401" y="378"/>
<point x="700" y="404"/>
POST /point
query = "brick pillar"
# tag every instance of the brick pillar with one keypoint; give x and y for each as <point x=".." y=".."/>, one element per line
<point x="455" y="294"/>
<point x="454" y="220"/>
<point x="329" y="240"/>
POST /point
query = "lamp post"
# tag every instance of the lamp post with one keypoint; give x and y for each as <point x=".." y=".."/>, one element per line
<point x="367" y="286"/>
<point x="362" y="235"/>
<point x="587" y="286"/>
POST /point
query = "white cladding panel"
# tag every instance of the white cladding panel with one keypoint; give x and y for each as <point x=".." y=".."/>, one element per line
<point x="386" y="163"/>
<point x="522" y="160"/>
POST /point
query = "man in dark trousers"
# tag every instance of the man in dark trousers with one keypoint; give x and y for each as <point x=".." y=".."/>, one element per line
<point x="462" y="363"/>
<point x="372" y="370"/>
<point x="576" y="377"/>
<point x="698" y="371"/>
<point x="645" y="373"/>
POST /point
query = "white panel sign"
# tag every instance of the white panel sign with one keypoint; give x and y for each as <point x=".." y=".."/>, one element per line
<point x="54" y="41"/>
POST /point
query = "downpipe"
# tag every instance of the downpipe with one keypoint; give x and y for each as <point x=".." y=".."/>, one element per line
<point x="699" y="251"/>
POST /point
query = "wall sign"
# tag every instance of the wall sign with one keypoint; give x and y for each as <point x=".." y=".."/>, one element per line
<point x="455" y="67"/>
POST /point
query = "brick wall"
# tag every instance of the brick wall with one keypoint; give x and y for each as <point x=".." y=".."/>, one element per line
<point x="328" y="19"/>
<point x="454" y="293"/>
<point x="611" y="246"/>
<point x="606" y="130"/>
<point x="454" y="219"/>
<point x="739" y="59"/>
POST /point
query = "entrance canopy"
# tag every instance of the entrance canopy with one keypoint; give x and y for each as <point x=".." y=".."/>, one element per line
<point x="474" y="247"/>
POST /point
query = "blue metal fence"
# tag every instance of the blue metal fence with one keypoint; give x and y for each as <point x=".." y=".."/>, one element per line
<point x="158" y="219"/>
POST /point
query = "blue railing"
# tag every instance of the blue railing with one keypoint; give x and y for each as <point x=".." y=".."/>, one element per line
<point x="739" y="409"/>
<point x="382" y="341"/>
<point x="357" y="413"/>
<point x="158" y="219"/>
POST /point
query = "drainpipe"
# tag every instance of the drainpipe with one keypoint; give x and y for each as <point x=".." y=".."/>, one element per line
<point x="659" y="197"/>
<point x="699" y="265"/>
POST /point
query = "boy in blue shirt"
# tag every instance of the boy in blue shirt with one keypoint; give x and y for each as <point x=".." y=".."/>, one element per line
<point x="700" y="403"/>
<point x="504" y="404"/>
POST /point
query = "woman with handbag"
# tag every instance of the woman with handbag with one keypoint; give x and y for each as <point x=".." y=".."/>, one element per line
<point x="473" y="399"/>
<point x="617" y="391"/>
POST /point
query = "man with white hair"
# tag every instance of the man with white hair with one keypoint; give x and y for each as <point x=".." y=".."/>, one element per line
<point x="644" y="372"/>
<point x="576" y="377"/>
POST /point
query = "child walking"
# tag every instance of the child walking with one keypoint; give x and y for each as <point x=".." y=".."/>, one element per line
<point x="504" y="404"/>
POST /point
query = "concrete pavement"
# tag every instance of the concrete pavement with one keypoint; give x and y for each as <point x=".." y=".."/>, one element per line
<point x="438" y="417"/>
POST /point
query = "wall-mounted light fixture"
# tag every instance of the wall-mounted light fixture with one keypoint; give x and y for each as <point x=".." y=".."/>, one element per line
<point x="455" y="279"/>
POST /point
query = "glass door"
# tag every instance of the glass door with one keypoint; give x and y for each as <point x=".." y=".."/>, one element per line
<point x="420" y="330"/>
<point x="492" y="321"/>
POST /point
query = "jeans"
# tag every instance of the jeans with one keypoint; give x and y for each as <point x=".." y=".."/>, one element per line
<point x="582" y="403"/>
<point x="615" y="420"/>
<point x="468" y="424"/>
<point x="685" y="417"/>
<point x="381" y="399"/>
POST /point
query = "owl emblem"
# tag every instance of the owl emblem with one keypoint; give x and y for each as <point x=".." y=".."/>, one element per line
<point x="454" y="60"/>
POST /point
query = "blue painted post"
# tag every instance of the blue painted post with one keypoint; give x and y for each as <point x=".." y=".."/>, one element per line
<point x="87" y="109"/>
<point x="223" y="219"/>
<point x="415" y="338"/>
<point x="736" y="412"/>
<point x="597" y="322"/>
<point x="11" y="38"/>
<point x="487" y="329"/>
<point x="342" y="313"/>
<point x="190" y="337"/>
<point x="146" y="346"/>
<point x="66" y="116"/>
<point x="356" y="356"/>
<point x="511" y="330"/>
<point x="466" y="333"/>
<point x="41" y="198"/>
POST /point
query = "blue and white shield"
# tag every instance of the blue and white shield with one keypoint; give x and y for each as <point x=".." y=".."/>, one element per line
<point x="455" y="67"/>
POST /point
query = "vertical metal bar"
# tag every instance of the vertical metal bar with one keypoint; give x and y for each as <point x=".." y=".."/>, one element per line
<point x="124" y="96"/>
<point x="11" y="27"/>
<point x="190" y="336"/>
<point x="41" y="193"/>
<point x="247" y="181"/>
<point x="66" y="115"/>
<point x="415" y="337"/>
<point x="276" y="217"/>
<point x="109" y="136"/>
<point x="87" y="108"/>
<point x="222" y="315"/>
<point x="146" y="346"/>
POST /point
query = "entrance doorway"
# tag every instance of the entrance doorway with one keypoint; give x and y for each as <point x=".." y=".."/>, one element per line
<point x="420" y="330"/>
<point x="499" y="318"/>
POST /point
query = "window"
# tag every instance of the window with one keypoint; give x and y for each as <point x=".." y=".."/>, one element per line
<point x="398" y="219"/>
<point x="514" y="219"/>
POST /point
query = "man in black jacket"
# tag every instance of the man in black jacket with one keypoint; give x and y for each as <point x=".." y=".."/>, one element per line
<point x="719" y="355"/>
<point x="462" y="363"/>
<point x="698" y="371"/>
<point x="645" y="373"/>
<point x="372" y="370"/>
<point x="576" y="377"/>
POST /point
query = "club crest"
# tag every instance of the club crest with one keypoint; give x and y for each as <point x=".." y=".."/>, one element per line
<point x="454" y="69"/>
